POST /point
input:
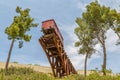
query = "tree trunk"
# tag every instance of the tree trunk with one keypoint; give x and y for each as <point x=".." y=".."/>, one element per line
<point x="85" y="65"/>
<point x="9" y="54"/>
<point x="104" y="55"/>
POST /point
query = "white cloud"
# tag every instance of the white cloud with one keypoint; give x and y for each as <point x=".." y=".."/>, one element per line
<point x="111" y="41"/>
<point x="75" y="58"/>
<point x="69" y="30"/>
<point x="81" y="6"/>
<point x="98" y="47"/>
<point x="71" y="49"/>
<point x="78" y="61"/>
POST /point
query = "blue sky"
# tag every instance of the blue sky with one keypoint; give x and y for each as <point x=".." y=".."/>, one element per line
<point x="64" y="12"/>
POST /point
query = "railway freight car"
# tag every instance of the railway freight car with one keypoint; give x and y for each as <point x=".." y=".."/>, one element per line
<point x="49" y="25"/>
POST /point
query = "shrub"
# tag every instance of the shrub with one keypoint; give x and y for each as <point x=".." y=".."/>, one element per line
<point x="15" y="62"/>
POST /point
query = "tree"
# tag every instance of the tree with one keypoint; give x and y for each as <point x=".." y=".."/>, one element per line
<point x="21" y="24"/>
<point x="100" y="19"/>
<point x="86" y="41"/>
<point x="96" y="17"/>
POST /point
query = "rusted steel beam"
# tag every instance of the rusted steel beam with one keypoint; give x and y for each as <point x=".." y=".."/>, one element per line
<point x="52" y="44"/>
<point x="43" y="46"/>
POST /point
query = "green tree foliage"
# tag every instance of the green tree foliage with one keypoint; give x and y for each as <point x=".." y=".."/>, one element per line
<point x="100" y="19"/>
<point x="21" y="24"/>
<point x="96" y="17"/>
<point x="86" y="40"/>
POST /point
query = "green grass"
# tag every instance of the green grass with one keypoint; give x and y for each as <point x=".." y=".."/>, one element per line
<point x="29" y="74"/>
<point x="23" y="74"/>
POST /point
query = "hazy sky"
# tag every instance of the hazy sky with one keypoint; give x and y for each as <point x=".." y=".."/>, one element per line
<point x="64" y="12"/>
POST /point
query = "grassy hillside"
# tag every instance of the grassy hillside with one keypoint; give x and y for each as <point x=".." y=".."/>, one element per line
<point x="29" y="74"/>
<point x="35" y="67"/>
<point x="35" y="72"/>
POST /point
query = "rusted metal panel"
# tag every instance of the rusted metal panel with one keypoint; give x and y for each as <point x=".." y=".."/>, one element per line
<point x="48" y="24"/>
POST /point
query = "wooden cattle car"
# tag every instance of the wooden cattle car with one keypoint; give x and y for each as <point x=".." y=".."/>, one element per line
<point x="51" y="25"/>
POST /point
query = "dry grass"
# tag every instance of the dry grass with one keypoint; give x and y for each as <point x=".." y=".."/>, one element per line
<point x="82" y="72"/>
<point x="36" y="68"/>
<point x="43" y="69"/>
